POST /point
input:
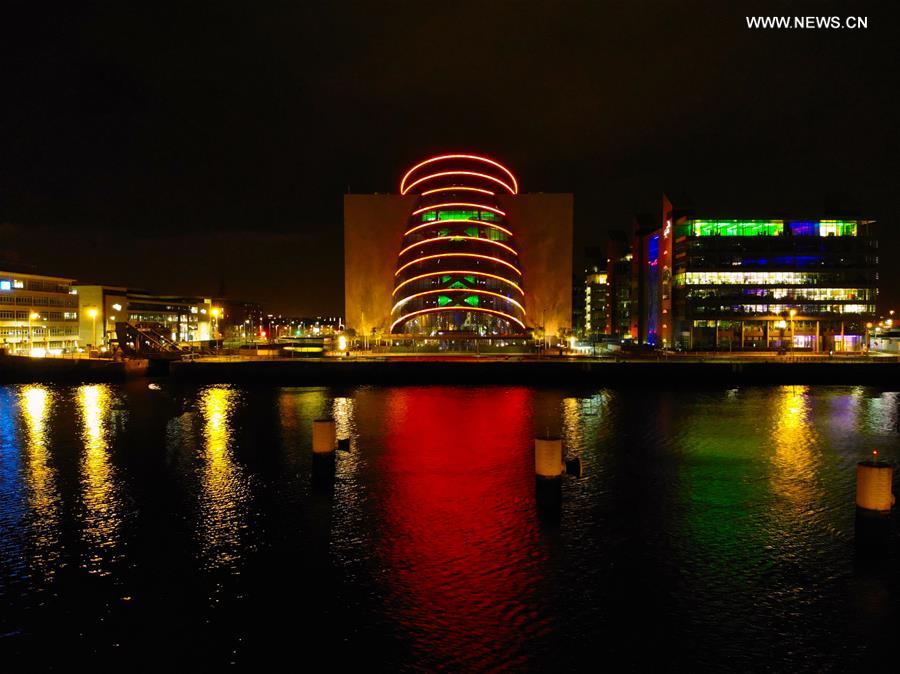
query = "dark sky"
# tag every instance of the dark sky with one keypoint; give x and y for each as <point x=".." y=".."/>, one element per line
<point x="178" y="147"/>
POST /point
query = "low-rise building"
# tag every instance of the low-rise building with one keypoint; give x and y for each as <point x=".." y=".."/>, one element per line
<point x="38" y="313"/>
<point x="180" y="318"/>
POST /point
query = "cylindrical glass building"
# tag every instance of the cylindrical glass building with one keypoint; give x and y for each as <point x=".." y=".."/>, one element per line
<point x="458" y="268"/>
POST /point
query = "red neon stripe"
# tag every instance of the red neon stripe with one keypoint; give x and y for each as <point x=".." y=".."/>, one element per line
<point x="459" y="271"/>
<point x="459" y="156"/>
<point x="457" y="188"/>
<point x="429" y="311"/>
<point x="443" y="174"/>
<point x="460" y="203"/>
<point x="451" y="237"/>
<point x="457" y="290"/>
<point x="433" y="223"/>
<point x="432" y="257"/>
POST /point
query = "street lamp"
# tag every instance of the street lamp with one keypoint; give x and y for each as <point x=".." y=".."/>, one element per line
<point x="868" y="327"/>
<point x="781" y="325"/>
<point x="792" y="313"/>
<point x="93" y="314"/>
<point x="214" y="312"/>
<point x="33" y="316"/>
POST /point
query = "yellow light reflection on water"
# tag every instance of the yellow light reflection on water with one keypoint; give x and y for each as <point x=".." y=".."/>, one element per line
<point x="348" y="500"/>
<point x="343" y="414"/>
<point x="224" y="489"/>
<point x="100" y="490"/>
<point x="796" y="459"/>
<point x="40" y="479"/>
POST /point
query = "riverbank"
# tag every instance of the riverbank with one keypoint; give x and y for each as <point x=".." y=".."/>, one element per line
<point x="551" y="372"/>
<point x="672" y="372"/>
<point x="16" y="369"/>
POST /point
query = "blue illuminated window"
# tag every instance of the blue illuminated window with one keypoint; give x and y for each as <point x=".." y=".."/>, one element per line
<point x="5" y="285"/>
<point x="805" y="228"/>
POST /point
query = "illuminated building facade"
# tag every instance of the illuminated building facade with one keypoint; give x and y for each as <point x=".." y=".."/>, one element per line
<point x="38" y="313"/>
<point x="756" y="284"/>
<point x="595" y="299"/>
<point x="181" y="319"/>
<point x="460" y="251"/>
<point x="458" y="268"/>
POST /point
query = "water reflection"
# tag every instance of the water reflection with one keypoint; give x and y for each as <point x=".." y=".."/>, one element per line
<point x="297" y="408"/>
<point x="224" y="487"/>
<point x="12" y="490"/>
<point x="101" y="492"/>
<point x="349" y="492"/>
<point x="462" y="544"/>
<point x="796" y="458"/>
<point x="881" y="412"/>
<point x="40" y="479"/>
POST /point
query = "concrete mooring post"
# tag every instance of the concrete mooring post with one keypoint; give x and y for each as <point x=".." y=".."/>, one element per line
<point x="324" y="442"/>
<point x="874" y="500"/>
<point x="548" y="471"/>
<point x="323" y="436"/>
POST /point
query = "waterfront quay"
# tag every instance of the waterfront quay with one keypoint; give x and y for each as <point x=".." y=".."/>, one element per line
<point x="672" y="372"/>
<point x="666" y="371"/>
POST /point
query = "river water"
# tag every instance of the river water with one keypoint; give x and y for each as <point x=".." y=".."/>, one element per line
<point x="180" y="528"/>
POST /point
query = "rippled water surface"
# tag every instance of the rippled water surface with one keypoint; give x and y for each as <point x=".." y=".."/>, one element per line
<point x="181" y="528"/>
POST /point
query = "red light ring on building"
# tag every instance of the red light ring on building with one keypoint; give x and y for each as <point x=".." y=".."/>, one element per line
<point x="458" y="188"/>
<point x="477" y="255"/>
<point x="480" y="207"/>
<point x="434" y="223"/>
<point x="460" y="272"/>
<point x="459" y="156"/>
<point x="456" y="308"/>
<point x="444" y="174"/>
<point x="451" y="237"/>
<point x="456" y="290"/>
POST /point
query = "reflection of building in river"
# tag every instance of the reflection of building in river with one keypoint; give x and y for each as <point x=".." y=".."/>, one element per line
<point x="225" y="492"/>
<point x="796" y="459"/>
<point x="40" y="482"/>
<point x="460" y="548"/>
<point x="101" y="493"/>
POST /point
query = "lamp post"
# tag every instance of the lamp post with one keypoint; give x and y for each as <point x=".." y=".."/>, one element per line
<point x="792" y="313"/>
<point x="214" y="312"/>
<point x="33" y="316"/>
<point x="781" y="325"/>
<point x="92" y="312"/>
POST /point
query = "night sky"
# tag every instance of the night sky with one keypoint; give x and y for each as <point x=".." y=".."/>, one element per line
<point x="190" y="147"/>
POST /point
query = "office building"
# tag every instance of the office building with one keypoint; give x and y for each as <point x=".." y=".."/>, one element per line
<point x="179" y="318"/>
<point x="765" y="283"/>
<point x="38" y="313"/>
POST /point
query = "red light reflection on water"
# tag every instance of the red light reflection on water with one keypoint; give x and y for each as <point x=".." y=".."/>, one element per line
<point x="463" y="550"/>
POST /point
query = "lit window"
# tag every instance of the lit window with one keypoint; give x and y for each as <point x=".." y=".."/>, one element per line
<point x="738" y="227"/>
<point x="837" y="228"/>
<point x="5" y="285"/>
